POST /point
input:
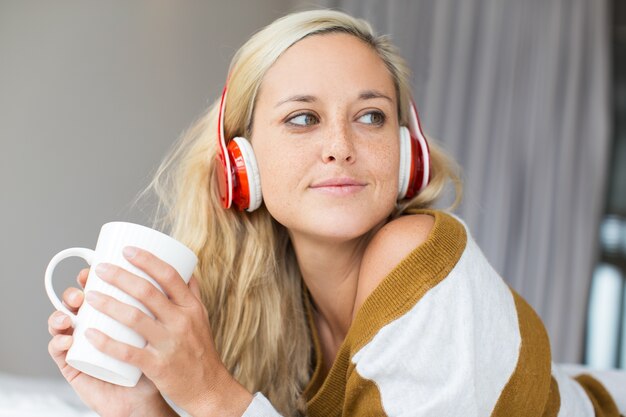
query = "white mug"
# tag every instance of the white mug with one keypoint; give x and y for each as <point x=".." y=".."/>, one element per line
<point x="113" y="237"/>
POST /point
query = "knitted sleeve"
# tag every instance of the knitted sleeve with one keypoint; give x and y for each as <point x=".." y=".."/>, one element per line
<point x="260" y="407"/>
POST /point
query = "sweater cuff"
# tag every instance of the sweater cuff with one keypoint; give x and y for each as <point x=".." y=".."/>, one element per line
<point x="260" y="407"/>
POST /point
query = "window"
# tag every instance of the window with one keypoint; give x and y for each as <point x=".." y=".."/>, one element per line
<point x="605" y="345"/>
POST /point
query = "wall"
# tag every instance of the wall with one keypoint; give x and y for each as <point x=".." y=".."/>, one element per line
<point x="92" y="94"/>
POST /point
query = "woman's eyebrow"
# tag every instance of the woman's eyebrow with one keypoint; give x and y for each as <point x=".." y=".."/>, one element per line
<point x="298" y="97"/>
<point x="369" y="94"/>
<point x="307" y="98"/>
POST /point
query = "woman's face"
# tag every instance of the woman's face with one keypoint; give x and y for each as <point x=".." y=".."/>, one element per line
<point x="325" y="135"/>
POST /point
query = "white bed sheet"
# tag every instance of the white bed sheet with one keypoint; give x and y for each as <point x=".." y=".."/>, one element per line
<point x="39" y="397"/>
<point x="22" y="396"/>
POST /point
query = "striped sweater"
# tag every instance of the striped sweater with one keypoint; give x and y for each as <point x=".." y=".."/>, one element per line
<point x="443" y="335"/>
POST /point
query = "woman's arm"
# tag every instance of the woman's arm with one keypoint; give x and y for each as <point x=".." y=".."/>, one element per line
<point x="157" y="409"/>
<point x="227" y="398"/>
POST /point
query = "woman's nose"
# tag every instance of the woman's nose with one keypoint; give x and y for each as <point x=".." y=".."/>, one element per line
<point x="339" y="145"/>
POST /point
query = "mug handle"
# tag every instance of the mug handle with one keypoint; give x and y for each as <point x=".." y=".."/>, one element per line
<point x="86" y="254"/>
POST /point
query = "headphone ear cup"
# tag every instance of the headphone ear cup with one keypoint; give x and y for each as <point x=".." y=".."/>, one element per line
<point x="248" y="175"/>
<point x="405" y="162"/>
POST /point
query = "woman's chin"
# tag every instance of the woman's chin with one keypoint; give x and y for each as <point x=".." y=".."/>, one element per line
<point x="333" y="222"/>
<point x="338" y="229"/>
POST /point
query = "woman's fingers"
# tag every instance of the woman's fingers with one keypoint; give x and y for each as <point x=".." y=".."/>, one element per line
<point x="163" y="273"/>
<point x="127" y="315"/>
<point x="60" y="327"/>
<point x="194" y="286"/>
<point x="119" y="350"/>
<point x="59" y="324"/>
<point x="82" y="277"/>
<point x="73" y="298"/>
<point x="59" y="345"/>
<point x="138" y="288"/>
<point x="57" y="348"/>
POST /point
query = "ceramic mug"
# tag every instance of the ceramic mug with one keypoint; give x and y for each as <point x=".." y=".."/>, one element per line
<point x="113" y="238"/>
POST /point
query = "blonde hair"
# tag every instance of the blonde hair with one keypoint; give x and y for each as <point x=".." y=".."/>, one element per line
<point x="249" y="277"/>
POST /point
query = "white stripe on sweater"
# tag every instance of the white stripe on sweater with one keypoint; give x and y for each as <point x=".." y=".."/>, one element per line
<point x="574" y="400"/>
<point x="453" y="352"/>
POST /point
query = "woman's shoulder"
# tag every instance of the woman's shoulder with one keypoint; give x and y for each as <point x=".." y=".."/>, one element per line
<point x="388" y="247"/>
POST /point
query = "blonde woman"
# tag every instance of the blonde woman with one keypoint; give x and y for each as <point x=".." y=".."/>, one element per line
<point x="326" y="284"/>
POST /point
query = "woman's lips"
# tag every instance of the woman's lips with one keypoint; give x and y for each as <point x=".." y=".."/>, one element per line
<point x="339" y="186"/>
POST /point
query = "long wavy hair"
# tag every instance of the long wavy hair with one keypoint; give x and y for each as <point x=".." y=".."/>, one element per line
<point x="249" y="277"/>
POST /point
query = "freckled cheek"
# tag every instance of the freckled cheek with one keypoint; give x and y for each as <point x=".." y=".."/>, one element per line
<point x="386" y="161"/>
<point x="280" y="177"/>
<point x="280" y="194"/>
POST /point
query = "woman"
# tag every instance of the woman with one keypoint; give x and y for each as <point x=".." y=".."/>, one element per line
<point x="337" y="291"/>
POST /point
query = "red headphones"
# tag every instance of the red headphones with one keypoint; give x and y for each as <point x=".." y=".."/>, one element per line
<point x="238" y="173"/>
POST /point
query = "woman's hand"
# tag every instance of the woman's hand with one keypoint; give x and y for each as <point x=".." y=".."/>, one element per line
<point x="180" y="356"/>
<point x="104" y="398"/>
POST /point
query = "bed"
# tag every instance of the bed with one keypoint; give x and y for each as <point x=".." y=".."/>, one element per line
<point x="38" y="397"/>
<point x="22" y="396"/>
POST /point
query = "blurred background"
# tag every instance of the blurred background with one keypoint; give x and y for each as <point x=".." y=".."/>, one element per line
<point x="529" y="97"/>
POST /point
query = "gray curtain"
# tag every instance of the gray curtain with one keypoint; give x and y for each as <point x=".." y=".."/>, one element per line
<point x="517" y="91"/>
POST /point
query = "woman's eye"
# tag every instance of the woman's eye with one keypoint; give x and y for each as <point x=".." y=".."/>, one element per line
<point x="304" y="119"/>
<point x="373" y="118"/>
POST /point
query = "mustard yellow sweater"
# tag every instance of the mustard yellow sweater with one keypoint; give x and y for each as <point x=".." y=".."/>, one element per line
<point x="443" y="335"/>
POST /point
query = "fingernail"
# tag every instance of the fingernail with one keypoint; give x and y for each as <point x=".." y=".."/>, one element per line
<point x="74" y="296"/>
<point x="66" y="341"/>
<point x="130" y="252"/>
<point x="59" y="320"/>
<point x="102" y="268"/>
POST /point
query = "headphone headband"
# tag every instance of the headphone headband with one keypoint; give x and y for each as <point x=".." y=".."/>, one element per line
<point x="423" y="168"/>
<point x="226" y="173"/>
